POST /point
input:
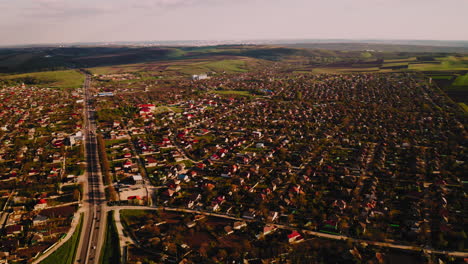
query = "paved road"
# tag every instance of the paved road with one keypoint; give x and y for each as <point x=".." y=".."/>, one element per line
<point x="305" y="231"/>
<point x="93" y="198"/>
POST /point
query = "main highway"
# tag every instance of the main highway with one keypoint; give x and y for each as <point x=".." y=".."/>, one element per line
<point x="93" y="199"/>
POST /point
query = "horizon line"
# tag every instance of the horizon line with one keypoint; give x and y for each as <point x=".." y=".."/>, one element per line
<point x="237" y="42"/>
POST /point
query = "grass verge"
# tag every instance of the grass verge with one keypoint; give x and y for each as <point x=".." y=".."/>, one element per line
<point x="111" y="250"/>
<point x="67" y="252"/>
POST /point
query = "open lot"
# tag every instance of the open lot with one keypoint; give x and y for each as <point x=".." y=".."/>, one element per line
<point x="53" y="79"/>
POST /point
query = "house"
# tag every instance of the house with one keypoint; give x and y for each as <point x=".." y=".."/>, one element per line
<point x="257" y="134"/>
<point x="250" y="214"/>
<point x="272" y="216"/>
<point x="228" y="230"/>
<point x="170" y="192"/>
<point x="294" y="237"/>
<point x="13" y="230"/>
<point x="134" y="199"/>
<point x="137" y="179"/>
<point x="197" y="77"/>
<point x="191" y="224"/>
<point x="39" y="220"/>
<point x="151" y="107"/>
<point x="128" y="164"/>
<point x="37" y="237"/>
<point x="41" y="204"/>
<point x="214" y="207"/>
<point x="183" y="177"/>
<point x="268" y="229"/>
<point x="151" y="161"/>
<point x="145" y="111"/>
<point x="239" y="225"/>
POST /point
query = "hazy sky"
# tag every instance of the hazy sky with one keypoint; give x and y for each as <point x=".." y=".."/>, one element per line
<point x="64" y="21"/>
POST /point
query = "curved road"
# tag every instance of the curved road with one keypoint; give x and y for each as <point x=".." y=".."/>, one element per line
<point x="459" y="254"/>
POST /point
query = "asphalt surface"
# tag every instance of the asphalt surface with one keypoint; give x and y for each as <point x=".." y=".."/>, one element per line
<point x="94" y="196"/>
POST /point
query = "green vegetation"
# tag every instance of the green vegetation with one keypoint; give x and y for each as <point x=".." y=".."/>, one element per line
<point x="346" y="70"/>
<point x="393" y="64"/>
<point x="163" y="109"/>
<point x="461" y="80"/>
<point x="442" y="64"/>
<point x="227" y="65"/>
<point x="111" y="250"/>
<point x="53" y="79"/>
<point x="190" y="67"/>
<point x="464" y="106"/>
<point x="2" y="202"/>
<point x="366" y="55"/>
<point x="130" y="216"/>
<point x="233" y="93"/>
<point x="441" y="77"/>
<point x="67" y="252"/>
<point x="187" y="66"/>
<point x="107" y="70"/>
<point x="400" y="60"/>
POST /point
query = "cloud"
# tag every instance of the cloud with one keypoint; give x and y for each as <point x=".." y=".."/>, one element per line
<point x="74" y="8"/>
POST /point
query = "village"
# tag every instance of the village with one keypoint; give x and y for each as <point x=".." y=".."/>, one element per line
<point x="379" y="157"/>
<point x="40" y="161"/>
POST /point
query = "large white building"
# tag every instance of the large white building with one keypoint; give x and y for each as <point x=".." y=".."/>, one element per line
<point x="197" y="77"/>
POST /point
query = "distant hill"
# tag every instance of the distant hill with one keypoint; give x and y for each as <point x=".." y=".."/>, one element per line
<point x="20" y="60"/>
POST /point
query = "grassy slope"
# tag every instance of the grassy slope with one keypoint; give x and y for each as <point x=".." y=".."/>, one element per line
<point x="461" y="80"/>
<point x="233" y="93"/>
<point x="186" y="67"/>
<point x="449" y="63"/>
<point x="54" y="79"/>
<point x="111" y="250"/>
<point x="67" y="252"/>
<point x="189" y="68"/>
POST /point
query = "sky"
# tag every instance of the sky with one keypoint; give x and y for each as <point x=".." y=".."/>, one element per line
<point x="69" y="21"/>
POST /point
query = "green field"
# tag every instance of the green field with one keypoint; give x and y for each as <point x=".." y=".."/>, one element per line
<point x="233" y="93"/>
<point x="163" y="109"/>
<point x="67" y="252"/>
<point x="52" y="79"/>
<point x="2" y="202"/>
<point x="111" y="249"/>
<point x="450" y="63"/>
<point x="191" y="67"/>
<point x="228" y="64"/>
<point x="441" y="77"/>
<point x="393" y="64"/>
<point x="132" y="214"/>
<point x="115" y="69"/>
<point x="461" y="80"/>
<point x="348" y="70"/>
<point x="400" y="60"/>
<point x="16" y="60"/>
